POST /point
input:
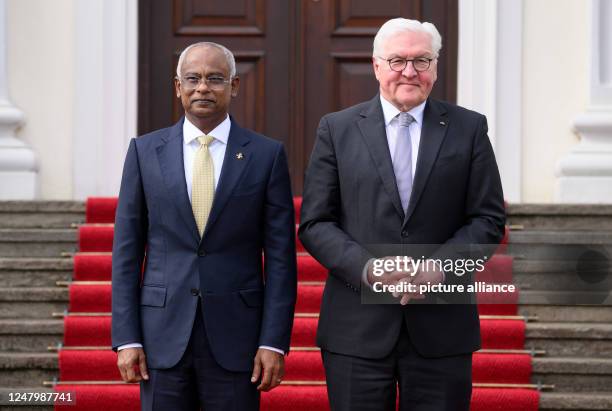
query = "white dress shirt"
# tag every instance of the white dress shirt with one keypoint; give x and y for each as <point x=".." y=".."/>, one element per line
<point x="216" y="148"/>
<point x="217" y="153"/>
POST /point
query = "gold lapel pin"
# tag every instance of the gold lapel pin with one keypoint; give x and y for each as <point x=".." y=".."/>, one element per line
<point x="239" y="156"/>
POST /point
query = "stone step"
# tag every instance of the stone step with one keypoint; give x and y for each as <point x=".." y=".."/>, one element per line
<point x="568" y="313"/>
<point x="560" y="281"/>
<point x="549" y="401"/>
<point x="560" y="216"/>
<point x="528" y="274"/>
<point x="576" y="246"/>
<point x="40" y="302"/>
<point x="601" y="297"/>
<point x="557" y="339"/>
<point x="570" y="339"/>
<point x="567" y="374"/>
<point x="41" y="214"/>
<point x="32" y="302"/>
<point x="573" y="401"/>
<point x="27" y="369"/>
<point x="30" y="335"/>
<point x="34" y="272"/>
<point x="574" y="374"/>
<point x="561" y="237"/>
<point x="556" y="274"/>
<point x="35" y="242"/>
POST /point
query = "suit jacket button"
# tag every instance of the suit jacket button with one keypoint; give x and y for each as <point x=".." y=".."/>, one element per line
<point x="404" y="233"/>
<point x="201" y="253"/>
<point x="195" y="292"/>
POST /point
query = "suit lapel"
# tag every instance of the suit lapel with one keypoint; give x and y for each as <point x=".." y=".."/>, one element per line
<point x="170" y="155"/>
<point x="435" y="124"/>
<point x="372" y="127"/>
<point x="237" y="156"/>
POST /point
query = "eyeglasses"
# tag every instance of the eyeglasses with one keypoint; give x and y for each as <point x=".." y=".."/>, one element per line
<point x="399" y="64"/>
<point x="213" y="82"/>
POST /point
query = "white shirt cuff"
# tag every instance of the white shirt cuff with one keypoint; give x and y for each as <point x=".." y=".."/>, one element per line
<point x="281" y="352"/>
<point x="131" y="345"/>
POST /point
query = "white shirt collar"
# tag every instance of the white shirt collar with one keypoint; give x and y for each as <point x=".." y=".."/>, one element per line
<point x="220" y="133"/>
<point x="390" y="111"/>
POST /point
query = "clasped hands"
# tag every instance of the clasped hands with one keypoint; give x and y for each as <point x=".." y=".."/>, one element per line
<point x="268" y="369"/>
<point x="426" y="274"/>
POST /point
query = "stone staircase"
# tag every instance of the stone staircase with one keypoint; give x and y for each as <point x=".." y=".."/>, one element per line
<point x="37" y="238"/>
<point x="547" y="241"/>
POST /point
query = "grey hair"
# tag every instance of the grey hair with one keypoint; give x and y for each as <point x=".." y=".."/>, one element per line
<point x="229" y="56"/>
<point x="399" y="25"/>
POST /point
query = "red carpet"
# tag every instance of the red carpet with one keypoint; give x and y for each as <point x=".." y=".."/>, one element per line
<point x="76" y="365"/>
<point x="98" y="238"/>
<point x="301" y="365"/>
<point x="94" y="331"/>
<point x="97" y="267"/>
<point x="89" y="298"/>
<point x="294" y="398"/>
<point x="101" y="210"/>
<point x="92" y="267"/>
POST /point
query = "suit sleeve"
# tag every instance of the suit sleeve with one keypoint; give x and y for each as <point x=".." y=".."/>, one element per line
<point x="484" y="207"/>
<point x="128" y="253"/>
<point x="320" y="230"/>
<point x="280" y="266"/>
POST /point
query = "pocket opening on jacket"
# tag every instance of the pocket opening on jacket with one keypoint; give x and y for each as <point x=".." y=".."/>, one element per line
<point x="153" y="296"/>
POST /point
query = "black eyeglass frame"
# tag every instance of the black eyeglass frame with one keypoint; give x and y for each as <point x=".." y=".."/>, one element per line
<point x="412" y="61"/>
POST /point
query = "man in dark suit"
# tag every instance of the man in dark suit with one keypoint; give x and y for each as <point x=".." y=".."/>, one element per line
<point x="399" y="169"/>
<point x="207" y="323"/>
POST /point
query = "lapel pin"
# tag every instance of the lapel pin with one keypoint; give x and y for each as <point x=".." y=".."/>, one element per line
<point x="239" y="156"/>
<point x="442" y="123"/>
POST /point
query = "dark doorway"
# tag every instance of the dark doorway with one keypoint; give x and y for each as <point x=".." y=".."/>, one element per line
<point x="297" y="59"/>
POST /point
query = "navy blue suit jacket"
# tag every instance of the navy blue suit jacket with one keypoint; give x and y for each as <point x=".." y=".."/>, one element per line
<point x="247" y="300"/>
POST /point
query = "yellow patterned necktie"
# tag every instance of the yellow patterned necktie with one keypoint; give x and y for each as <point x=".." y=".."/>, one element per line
<point x="203" y="187"/>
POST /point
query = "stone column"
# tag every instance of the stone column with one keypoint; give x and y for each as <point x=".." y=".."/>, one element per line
<point x="18" y="165"/>
<point x="584" y="175"/>
<point x="489" y="68"/>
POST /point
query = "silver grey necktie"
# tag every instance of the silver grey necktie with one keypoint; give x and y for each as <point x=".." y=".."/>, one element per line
<point x="402" y="159"/>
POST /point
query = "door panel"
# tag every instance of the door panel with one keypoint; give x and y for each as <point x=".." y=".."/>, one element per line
<point x="297" y="60"/>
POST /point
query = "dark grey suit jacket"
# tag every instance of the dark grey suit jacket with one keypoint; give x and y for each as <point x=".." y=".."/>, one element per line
<point x="351" y="200"/>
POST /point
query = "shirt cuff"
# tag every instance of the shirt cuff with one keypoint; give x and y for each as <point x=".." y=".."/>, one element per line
<point x="281" y="352"/>
<point x="131" y="345"/>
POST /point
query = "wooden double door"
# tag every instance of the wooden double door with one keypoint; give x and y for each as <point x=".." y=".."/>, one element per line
<point x="297" y="59"/>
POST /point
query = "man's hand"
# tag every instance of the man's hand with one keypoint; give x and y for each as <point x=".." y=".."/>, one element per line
<point x="424" y="276"/>
<point x="389" y="277"/>
<point x="270" y="366"/>
<point x="132" y="365"/>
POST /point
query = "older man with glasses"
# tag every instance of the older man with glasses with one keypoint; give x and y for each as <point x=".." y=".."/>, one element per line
<point x="203" y="199"/>
<point x="400" y="169"/>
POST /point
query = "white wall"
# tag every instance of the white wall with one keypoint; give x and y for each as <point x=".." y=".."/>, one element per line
<point x="554" y="88"/>
<point x="40" y="37"/>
